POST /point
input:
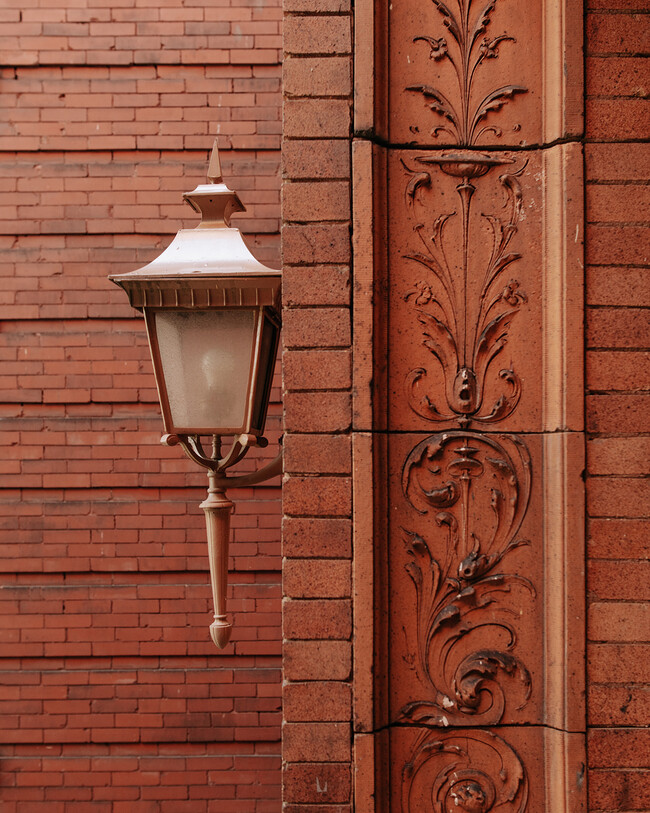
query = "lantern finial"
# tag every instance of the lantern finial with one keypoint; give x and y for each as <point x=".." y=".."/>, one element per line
<point x="214" y="168"/>
<point x="214" y="201"/>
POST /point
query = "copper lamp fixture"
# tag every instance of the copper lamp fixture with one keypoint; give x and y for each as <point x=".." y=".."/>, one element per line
<point x="212" y="316"/>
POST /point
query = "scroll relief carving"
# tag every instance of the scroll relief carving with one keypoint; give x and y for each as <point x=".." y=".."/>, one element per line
<point x="475" y="773"/>
<point x="475" y="486"/>
<point x="478" y="487"/>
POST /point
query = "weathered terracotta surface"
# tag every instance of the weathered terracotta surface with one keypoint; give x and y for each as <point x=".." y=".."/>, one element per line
<point x="466" y="576"/>
<point x="471" y="561"/>
<point x="515" y="768"/>
<point x="495" y="57"/>
<point x="473" y="582"/>
<point x="467" y="289"/>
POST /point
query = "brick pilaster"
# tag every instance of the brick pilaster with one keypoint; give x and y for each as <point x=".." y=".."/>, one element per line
<point x="317" y="612"/>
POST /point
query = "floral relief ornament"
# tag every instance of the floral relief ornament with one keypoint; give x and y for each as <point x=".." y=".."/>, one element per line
<point x="464" y="337"/>
<point x="477" y="486"/>
<point x="464" y="121"/>
<point x="477" y="772"/>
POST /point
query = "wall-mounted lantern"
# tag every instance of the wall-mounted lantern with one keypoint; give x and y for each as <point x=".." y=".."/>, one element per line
<point x="212" y="317"/>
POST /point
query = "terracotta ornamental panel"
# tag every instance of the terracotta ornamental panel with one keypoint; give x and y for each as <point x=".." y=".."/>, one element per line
<point x="491" y="52"/>
<point x="468" y="408"/>
<point x="495" y="73"/>
<point x="502" y="769"/>
<point x="474" y="287"/>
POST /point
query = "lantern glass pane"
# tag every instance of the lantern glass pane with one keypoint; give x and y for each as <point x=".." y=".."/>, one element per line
<point x="206" y="361"/>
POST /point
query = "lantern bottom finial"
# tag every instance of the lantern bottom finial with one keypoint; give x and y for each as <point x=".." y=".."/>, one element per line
<point x="220" y="630"/>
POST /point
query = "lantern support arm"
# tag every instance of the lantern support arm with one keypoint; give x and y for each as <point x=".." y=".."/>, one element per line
<point x="217" y="508"/>
<point x="271" y="469"/>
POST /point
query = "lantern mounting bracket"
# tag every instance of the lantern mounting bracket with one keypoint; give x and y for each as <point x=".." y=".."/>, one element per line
<point x="217" y="465"/>
<point x="218" y="507"/>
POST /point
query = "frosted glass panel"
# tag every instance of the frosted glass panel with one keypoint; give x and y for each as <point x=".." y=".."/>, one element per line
<point x="206" y="357"/>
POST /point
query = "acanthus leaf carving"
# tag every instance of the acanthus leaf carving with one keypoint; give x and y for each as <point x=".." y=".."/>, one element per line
<point x="460" y="595"/>
<point x="464" y="336"/>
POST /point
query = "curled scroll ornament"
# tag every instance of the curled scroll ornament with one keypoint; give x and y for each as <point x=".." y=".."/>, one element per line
<point x="479" y="487"/>
<point x="475" y="772"/>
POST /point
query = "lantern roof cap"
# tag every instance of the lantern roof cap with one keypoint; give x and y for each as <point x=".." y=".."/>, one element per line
<point x="211" y="256"/>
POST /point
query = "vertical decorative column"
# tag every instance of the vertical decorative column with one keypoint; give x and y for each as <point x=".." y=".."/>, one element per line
<point x="468" y="441"/>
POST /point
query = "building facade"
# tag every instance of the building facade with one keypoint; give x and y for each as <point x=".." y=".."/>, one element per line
<point x="114" y="697"/>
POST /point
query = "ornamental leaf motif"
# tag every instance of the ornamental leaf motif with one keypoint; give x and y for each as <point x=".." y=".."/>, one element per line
<point x="469" y="52"/>
<point x="475" y="772"/>
<point x="460" y="595"/>
<point x="465" y="337"/>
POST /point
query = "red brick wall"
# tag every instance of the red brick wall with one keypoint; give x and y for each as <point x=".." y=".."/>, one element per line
<point x="618" y="407"/>
<point x="112" y="692"/>
<point x="317" y="619"/>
